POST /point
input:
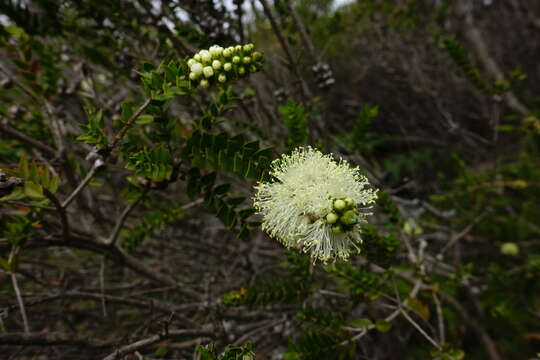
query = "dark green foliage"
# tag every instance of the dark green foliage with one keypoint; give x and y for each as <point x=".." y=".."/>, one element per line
<point x="155" y="163"/>
<point x="156" y="220"/>
<point x="296" y="121"/>
<point x="359" y="280"/>
<point x="321" y="343"/>
<point x="460" y="56"/>
<point x="377" y="248"/>
<point x="231" y="352"/>
<point x="94" y="131"/>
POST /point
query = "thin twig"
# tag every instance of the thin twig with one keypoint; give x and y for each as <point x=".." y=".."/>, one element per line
<point x="61" y="211"/>
<point x="20" y="301"/>
<point x="97" y="164"/>
<point x="16" y="134"/>
<point x="114" y="235"/>
<point x="419" y="328"/>
<point x="128" y="124"/>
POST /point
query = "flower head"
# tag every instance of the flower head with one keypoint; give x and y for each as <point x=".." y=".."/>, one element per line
<point x="313" y="203"/>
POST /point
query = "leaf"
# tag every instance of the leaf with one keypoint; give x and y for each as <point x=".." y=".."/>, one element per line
<point x="383" y="325"/>
<point x="33" y="190"/>
<point x="420" y="308"/>
<point x="16" y="194"/>
<point x="361" y="323"/>
<point x="145" y="119"/>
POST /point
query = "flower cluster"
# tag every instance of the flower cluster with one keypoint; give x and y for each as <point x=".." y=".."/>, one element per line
<point x="313" y="203"/>
<point x="220" y="65"/>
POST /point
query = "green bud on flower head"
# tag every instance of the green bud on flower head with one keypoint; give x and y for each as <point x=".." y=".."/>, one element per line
<point x="236" y="59"/>
<point x="227" y="52"/>
<point x="197" y="68"/>
<point x="256" y="55"/>
<point x="246" y="60"/>
<point x="241" y="70"/>
<point x="252" y="68"/>
<point x="238" y="48"/>
<point x="222" y="78"/>
<point x="349" y="218"/>
<point x="227" y="67"/>
<point x="510" y="249"/>
<point x="339" y="204"/>
<point x="204" y="83"/>
<point x="205" y="55"/>
<point x="248" y="47"/>
<point x="216" y="50"/>
<point x="190" y="62"/>
<point x="193" y="76"/>
<point x="331" y="218"/>
<point x="349" y="202"/>
<point x="216" y="64"/>
<point x="336" y="229"/>
<point x="197" y="57"/>
<point x="208" y="71"/>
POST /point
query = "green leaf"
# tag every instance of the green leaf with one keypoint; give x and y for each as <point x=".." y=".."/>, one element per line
<point x="383" y="325"/>
<point x="33" y="190"/>
<point x="145" y="119"/>
<point x="360" y="323"/>
<point x="16" y="194"/>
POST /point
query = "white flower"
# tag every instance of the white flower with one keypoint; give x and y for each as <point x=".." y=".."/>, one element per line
<point x="196" y="68"/>
<point x="208" y="71"/>
<point x="312" y="203"/>
<point x="205" y="55"/>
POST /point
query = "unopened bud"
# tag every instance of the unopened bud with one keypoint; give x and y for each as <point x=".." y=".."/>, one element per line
<point x="204" y="83"/>
<point x="208" y="71"/>
<point x="331" y="218"/>
<point x="222" y="78"/>
<point x="216" y="64"/>
<point x="236" y="59"/>
<point x="246" y="60"/>
<point x="227" y="67"/>
<point x="339" y="204"/>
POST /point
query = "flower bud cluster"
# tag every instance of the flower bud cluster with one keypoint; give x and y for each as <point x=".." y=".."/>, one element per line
<point x="344" y="215"/>
<point x="220" y="65"/>
<point x="323" y="75"/>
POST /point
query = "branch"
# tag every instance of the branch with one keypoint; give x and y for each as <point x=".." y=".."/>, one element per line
<point x="5" y="128"/>
<point x="114" y="235"/>
<point x="124" y="350"/>
<point x="45" y="339"/>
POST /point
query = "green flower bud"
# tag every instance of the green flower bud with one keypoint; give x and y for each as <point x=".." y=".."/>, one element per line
<point x="238" y="48"/>
<point x="510" y="249"/>
<point x="197" y="68"/>
<point x="216" y="64"/>
<point x="227" y="67"/>
<point x="349" y="218"/>
<point x="227" y="52"/>
<point x="204" y="83"/>
<point x="236" y="59"/>
<point x="241" y="70"/>
<point x="256" y="56"/>
<point x="248" y="47"/>
<point x="331" y="218"/>
<point x="252" y="68"/>
<point x="349" y="202"/>
<point x="190" y="62"/>
<point x="193" y="76"/>
<point x="339" y="204"/>
<point x="205" y="55"/>
<point x="197" y="57"/>
<point x="216" y="50"/>
<point x="337" y="229"/>
<point x="208" y="71"/>
<point x="246" y="60"/>
<point x="222" y="78"/>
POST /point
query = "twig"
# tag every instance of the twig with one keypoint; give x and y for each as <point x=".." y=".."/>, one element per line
<point x="16" y="134"/>
<point x="45" y="339"/>
<point x="114" y="235"/>
<point x="20" y="302"/>
<point x="97" y="164"/>
<point x="61" y="211"/>
<point x="419" y="328"/>
<point x="128" y="124"/>
<point x="124" y="350"/>
<point x="440" y="318"/>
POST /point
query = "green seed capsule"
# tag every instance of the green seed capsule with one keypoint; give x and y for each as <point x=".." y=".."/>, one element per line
<point x="331" y="218"/>
<point x="339" y="204"/>
<point x="349" y="218"/>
